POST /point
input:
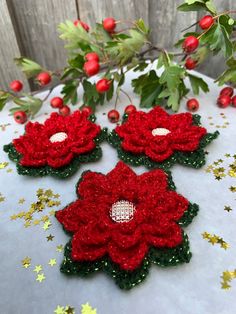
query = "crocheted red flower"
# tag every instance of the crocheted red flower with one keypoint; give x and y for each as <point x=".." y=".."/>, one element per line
<point x="158" y="135"/>
<point x="122" y="215"/>
<point x="56" y="142"/>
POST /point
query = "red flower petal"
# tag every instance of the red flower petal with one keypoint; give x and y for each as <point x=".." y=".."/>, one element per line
<point x="159" y="149"/>
<point x="188" y="140"/>
<point x="128" y="259"/>
<point x="168" y="234"/>
<point x="84" y="252"/>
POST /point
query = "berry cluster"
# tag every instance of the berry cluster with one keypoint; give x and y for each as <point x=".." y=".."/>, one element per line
<point x="191" y="43"/>
<point x="226" y="98"/>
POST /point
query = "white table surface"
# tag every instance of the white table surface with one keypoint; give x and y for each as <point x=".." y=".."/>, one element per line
<point x="192" y="288"/>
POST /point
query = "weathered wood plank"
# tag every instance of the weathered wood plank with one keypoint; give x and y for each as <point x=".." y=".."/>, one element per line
<point x="8" y="50"/>
<point x="92" y="11"/>
<point x="166" y="21"/>
<point x="36" y="26"/>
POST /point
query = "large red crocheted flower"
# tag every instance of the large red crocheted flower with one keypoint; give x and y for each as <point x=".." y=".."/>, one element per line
<point x="56" y="142"/>
<point x="122" y="215"/>
<point x="158" y="135"/>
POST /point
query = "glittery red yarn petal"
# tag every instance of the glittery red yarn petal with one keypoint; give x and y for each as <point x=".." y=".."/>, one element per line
<point x="154" y="222"/>
<point x="137" y="134"/>
<point x="38" y="150"/>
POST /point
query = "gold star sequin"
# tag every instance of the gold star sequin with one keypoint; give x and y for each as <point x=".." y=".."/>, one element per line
<point x="21" y="201"/>
<point x="38" y="269"/>
<point x="52" y="212"/>
<point x="225" y="285"/>
<point x="9" y="170"/>
<point x="59" y="310"/>
<point x="214" y="239"/>
<point x="26" y="262"/>
<point x="36" y="222"/>
<point x="59" y="248"/>
<point x="45" y="218"/>
<point x="52" y="262"/>
<point x="27" y="224"/>
<point x="228" y="208"/>
<point x="3" y="164"/>
<point x="2" y="198"/>
<point x="50" y="237"/>
<point x="56" y="195"/>
<point x="40" y="277"/>
<point x="87" y="309"/>
<point x="13" y="217"/>
<point x="69" y="310"/>
<point x="46" y="225"/>
<point x="233" y="188"/>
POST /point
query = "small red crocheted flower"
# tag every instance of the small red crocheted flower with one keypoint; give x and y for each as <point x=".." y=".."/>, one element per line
<point x="122" y="215"/>
<point x="56" y="142"/>
<point x="158" y="135"/>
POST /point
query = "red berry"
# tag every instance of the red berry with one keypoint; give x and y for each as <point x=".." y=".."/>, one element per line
<point x="84" y="25"/>
<point x="190" y="44"/>
<point x="190" y="64"/>
<point x="206" y="22"/>
<point x="92" y="56"/>
<point x="20" y="117"/>
<point x="16" y="86"/>
<point x="233" y="101"/>
<point x="102" y="85"/>
<point x="130" y="108"/>
<point x="56" y="102"/>
<point x="224" y="101"/>
<point x="227" y="91"/>
<point x="192" y="104"/>
<point x="87" y="109"/>
<point x="113" y="116"/>
<point x="44" y="78"/>
<point x="64" y="111"/>
<point x="109" y="24"/>
<point x="91" y="68"/>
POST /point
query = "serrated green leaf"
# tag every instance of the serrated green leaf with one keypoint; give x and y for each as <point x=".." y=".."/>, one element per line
<point x="193" y="7"/>
<point x="75" y="36"/>
<point x="110" y="92"/>
<point x="4" y="97"/>
<point x="141" y="26"/>
<point x="211" y="7"/>
<point x="220" y="41"/>
<point x="174" y="100"/>
<point x="77" y="62"/>
<point x="69" y="92"/>
<point x="172" y="76"/>
<point x="28" y="67"/>
<point x="189" y="2"/>
<point x="29" y="104"/>
<point x="198" y="83"/>
<point x="227" y="76"/>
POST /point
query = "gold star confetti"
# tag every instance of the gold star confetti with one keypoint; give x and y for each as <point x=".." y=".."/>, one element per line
<point x="40" y="277"/>
<point x="27" y="224"/>
<point x="26" y="262"/>
<point x="46" y="225"/>
<point x="13" y="217"/>
<point x="50" y="237"/>
<point x="59" y="310"/>
<point x="227" y="276"/>
<point x="45" y="218"/>
<point x="214" y="239"/>
<point x="233" y="188"/>
<point x="36" y="222"/>
<point x="9" y="170"/>
<point x="21" y="201"/>
<point x="2" y="198"/>
<point x="56" y="195"/>
<point x="59" y="248"/>
<point x="38" y="268"/>
<point x="52" y="262"/>
<point x="3" y="165"/>
<point x="228" y="208"/>
<point x="87" y="309"/>
<point x="69" y="310"/>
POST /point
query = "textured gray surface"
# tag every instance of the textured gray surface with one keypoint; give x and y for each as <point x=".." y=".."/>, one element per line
<point x="192" y="288"/>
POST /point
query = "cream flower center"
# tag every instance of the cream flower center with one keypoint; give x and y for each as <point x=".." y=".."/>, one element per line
<point x="122" y="211"/>
<point x="58" y="137"/>
<point x="160" y="131"/>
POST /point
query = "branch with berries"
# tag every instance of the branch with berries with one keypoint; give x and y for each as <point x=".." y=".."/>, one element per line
<point x="113" y="48"/>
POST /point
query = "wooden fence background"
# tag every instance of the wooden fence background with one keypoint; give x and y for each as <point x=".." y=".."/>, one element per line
<point x="29" y="28"/>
